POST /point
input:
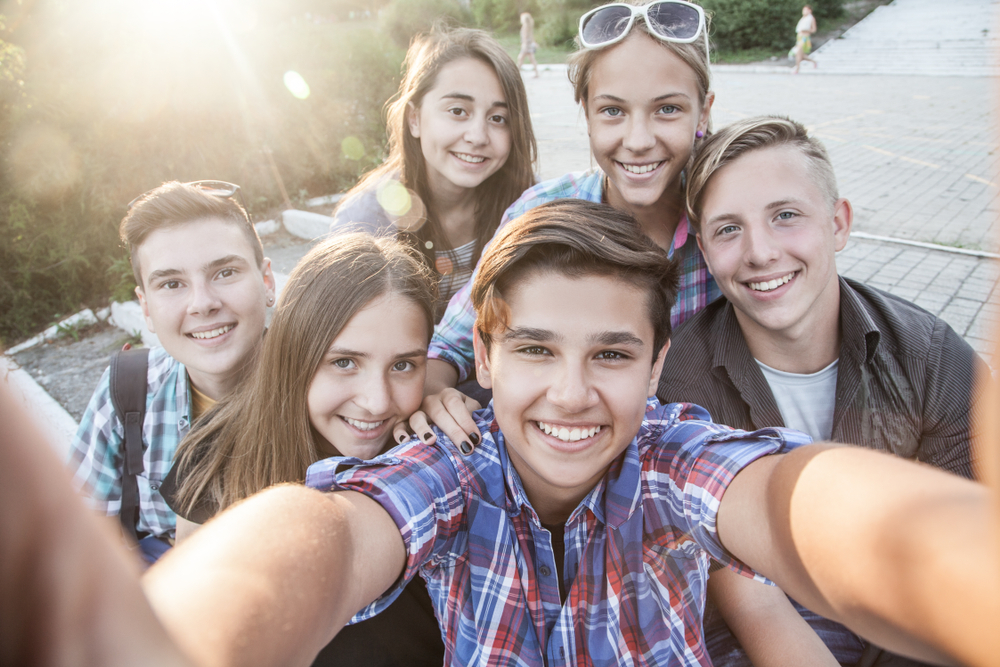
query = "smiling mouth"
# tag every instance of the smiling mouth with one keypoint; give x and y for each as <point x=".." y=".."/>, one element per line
<point x="471" y="159"/>
<point x="641" y="168"/>
<point x="771" y="284"/>
<point x="214" y="333"/>
<point x="568" y="434"/>
<point x="363" y="425"/>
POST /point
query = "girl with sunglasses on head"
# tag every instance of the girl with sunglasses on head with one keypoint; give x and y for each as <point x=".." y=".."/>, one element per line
<point x="333" y="380"/>
<point x="642" y="77"/>
<point x="461" y="150"/>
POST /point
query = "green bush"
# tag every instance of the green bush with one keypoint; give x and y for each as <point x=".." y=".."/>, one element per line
<point x="560" y="20"/>
<point x="502" y="15"/>
<point x="402" y="19"/>
<point x="111" y="109"/>
<point x="746" y="24"/>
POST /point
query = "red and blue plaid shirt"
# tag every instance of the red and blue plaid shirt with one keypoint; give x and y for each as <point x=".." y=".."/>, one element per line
<point x="452" y="341"/>
<point x="637" y="548"/>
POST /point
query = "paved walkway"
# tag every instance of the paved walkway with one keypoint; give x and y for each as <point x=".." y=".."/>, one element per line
<point x="915" y="155"/>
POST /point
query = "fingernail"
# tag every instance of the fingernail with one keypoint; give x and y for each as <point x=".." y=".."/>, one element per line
<point x="465" y="448"/>
<point x="402" y="438"/>
<point x="474" y="437"/>
<point x="428" y="435"/>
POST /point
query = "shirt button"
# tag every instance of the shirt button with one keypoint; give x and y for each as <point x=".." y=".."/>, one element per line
<point x="545" y="571"/>
<point x="562" y="651"/>
<point x="182" y="422"/>
<point x="154" y="487"/>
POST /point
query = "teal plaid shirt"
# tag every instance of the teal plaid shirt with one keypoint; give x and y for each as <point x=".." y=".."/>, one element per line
<point x="97" y="449"/>
<point x="452" y="341"/>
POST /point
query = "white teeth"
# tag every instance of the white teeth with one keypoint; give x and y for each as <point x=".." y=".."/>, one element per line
<point x="214" y="333"/>
<point x="568" y="435"/>
<point x="640" y="169"/>
<point x="464" y="157"/>
<point x="771" y="284"/>
<point x="363" y="426"/>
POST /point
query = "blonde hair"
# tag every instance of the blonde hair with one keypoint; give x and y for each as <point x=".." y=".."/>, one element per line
<point x="261" y="434"/>
<point x="752" y="134"/>
<point x="426" y="56"/>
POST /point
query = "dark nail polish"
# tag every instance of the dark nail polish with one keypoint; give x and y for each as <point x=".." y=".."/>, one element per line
<point x="465" y="448"/>
<point x="474" y="437"/>
<point x="402" y="438"/>
<point x="428" y="435"/>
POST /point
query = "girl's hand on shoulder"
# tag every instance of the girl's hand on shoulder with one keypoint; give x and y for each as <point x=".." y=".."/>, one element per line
<point x="451" y="411"/>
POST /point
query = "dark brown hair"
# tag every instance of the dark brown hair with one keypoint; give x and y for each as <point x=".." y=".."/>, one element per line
<point x="426" y="56"/>
<point x="261" y="434"/>
<point x="575" y="238"/>
<point x="174" y="204"/>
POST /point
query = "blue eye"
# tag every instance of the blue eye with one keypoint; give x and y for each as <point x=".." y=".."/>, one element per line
<point x="346" y="364"/>
<point x="786" y="215"/>
<point x="669" y="109"/>
<point x="612" y="112"/>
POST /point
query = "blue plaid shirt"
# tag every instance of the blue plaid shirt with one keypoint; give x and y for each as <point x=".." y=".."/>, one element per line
<point x="452" y="341"/>
<point x="97" y="449"/>
<point x="637" y="548"/>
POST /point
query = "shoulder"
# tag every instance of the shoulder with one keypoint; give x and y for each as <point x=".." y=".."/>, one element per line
<point x="360" y="210"/>
<point x="586" y="185"/>
<point x="690" y="357"/>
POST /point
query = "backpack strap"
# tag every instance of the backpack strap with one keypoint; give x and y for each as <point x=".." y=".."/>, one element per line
<point x="128" y="396"/>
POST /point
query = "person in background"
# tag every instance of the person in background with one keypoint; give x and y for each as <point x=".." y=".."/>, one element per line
<point x="794" y="344"/>
<point x="461" y="150"/>
<point x="804" y="30"/>
<point x="204" y="286"/>
<point x="342" y="362"/>
<point x="528" y="45"/>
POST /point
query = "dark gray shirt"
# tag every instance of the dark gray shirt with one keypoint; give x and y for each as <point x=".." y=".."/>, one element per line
<point x="904" y="385"/>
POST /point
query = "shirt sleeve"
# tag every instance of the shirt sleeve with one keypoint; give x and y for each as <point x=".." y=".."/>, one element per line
<point x="418" y="485"/>
<point x="699" y="460"/>
<point x="361" y="212"/>
<point x="953" y="372"/>
<point x="96" y="452"/>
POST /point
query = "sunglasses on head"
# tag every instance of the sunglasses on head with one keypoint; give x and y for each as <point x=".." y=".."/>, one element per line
<point x="669" y="20"/>
<point x="220" y="189"/>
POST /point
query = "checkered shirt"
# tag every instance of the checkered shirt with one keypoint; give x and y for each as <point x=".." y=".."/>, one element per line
<point x="452" y="341"/>
<point x="98" y="448"/>
<point x="637" y="548"/>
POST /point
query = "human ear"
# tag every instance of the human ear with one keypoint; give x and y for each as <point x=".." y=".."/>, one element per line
<point x="701" y="247"/>
<point x="269" y="282"/>
<point x="413" y="119"/>
<point x="843" y="218"/>
<point x="706" y="112"/>
<point x="654" y="378"/>
<point x="483" y="375"/>
<point x="145" y="308"/>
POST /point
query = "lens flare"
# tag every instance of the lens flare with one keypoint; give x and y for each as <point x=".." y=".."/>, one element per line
<point x="353" y="148"/>
<point x="296" y="85"/>
<point x="394" y="198"/>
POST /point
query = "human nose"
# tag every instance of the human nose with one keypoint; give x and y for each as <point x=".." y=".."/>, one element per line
<point x="571" y="389"/>
<point x="476" y="132"/>
<point x="759" y="245"/>
<point x="638" y="135"/>
<point x="374" y="395"/>
<point x="204" y="299"/>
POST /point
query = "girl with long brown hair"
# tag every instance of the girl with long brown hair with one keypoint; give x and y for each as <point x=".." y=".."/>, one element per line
<point x="342" y="363"/>
<point x="461" y="150"/>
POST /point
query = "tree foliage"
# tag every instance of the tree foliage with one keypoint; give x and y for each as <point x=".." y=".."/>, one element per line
<point x="745" y="24"/>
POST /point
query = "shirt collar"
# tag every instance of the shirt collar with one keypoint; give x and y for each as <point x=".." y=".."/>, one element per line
<point x="859" y="335"/>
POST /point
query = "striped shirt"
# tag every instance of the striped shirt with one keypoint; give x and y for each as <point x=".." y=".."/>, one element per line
<point x="96" y="452"/>
<point x="637" y="548"/>
<point x="452" y="341"/>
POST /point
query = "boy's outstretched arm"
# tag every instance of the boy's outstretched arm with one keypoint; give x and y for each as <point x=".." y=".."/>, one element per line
<point x="271" y="580"/>
<point x="903" y="554"/>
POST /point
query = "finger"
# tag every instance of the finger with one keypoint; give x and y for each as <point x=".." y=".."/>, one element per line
<point x="420" y="425"/>
<point x="400" y="434"/>
<point x="460" y="407"/>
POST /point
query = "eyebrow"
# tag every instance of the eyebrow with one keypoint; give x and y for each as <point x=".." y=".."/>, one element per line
<point x="345" y="352"/>
<point x="615" y="98"/>
<point x="469" y="98"/>
<point x="617" y="338"/>
<point x="214" y="264"/>
<point x="608" y="338"/>
<point x="529" y="333"/>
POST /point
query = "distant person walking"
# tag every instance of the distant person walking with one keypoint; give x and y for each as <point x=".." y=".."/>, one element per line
<point x="803" y="40"/>
<point x="528" y="45"/>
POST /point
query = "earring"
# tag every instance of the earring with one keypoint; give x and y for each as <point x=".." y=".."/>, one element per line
<point x="270" y="300"/>
<point x="699" y="134"/>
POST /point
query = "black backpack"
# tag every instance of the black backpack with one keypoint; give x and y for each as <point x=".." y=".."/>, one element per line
<point x="128" y="396"/>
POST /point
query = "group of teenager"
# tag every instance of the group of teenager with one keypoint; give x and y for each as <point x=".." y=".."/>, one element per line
<point x="506" y="423"/>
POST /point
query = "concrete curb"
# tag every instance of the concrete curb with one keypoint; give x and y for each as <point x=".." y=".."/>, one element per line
<point x="57" y="425"/>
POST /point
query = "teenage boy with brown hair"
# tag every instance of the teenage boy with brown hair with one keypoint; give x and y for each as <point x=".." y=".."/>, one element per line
<point x="573" y="306"/>
<point x="793" y="344"/>
<point x="204" y="286"/>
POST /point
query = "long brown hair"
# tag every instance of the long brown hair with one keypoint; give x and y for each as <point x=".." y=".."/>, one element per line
<point x="426" y="56"/>
<point x="261" y="434"/>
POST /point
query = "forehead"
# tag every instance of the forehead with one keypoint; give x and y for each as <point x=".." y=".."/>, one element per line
<point x="366" y="330"/>
<point x="617" y="71"/>
<point x="759" y="178"/>
<point x="192" y="245"/>
<point x="574" y="308"/>
<point x="468" y="76"/>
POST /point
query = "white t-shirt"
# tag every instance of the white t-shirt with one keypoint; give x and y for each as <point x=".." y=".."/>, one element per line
<point x="805" y="400"/>
<point x="805" y="24"/>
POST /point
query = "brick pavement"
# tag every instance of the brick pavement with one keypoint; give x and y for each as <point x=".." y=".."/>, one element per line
<point x="914" y="154"/>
